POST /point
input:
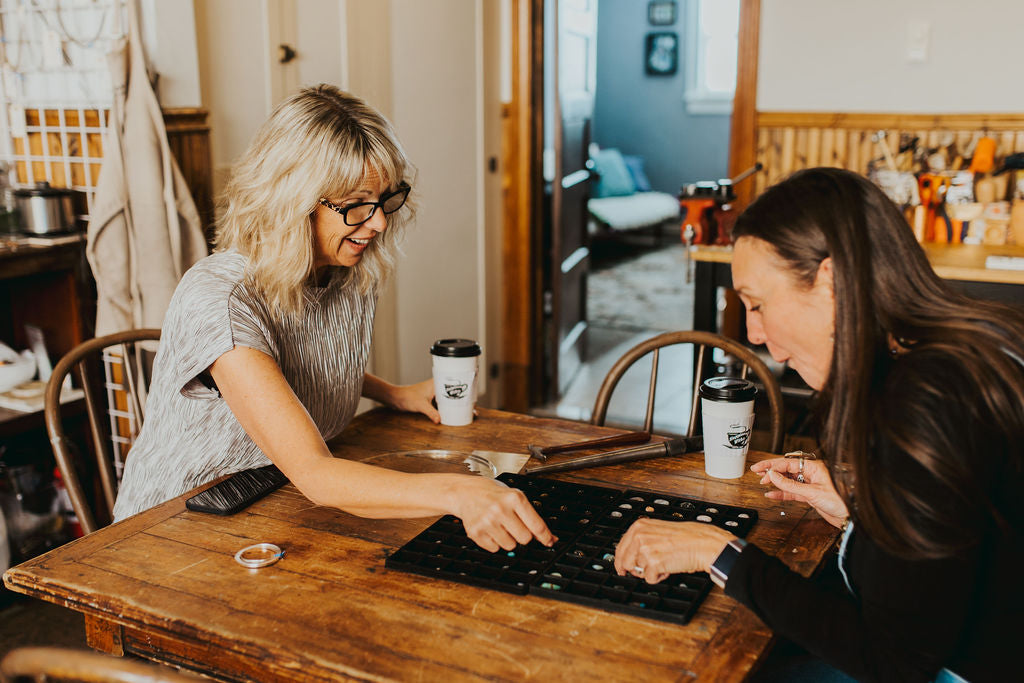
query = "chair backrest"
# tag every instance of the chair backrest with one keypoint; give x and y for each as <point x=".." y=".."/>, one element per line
<point x="66" y="664"/>
<point x="111" y="371"/>
<point x="701" y="342"/>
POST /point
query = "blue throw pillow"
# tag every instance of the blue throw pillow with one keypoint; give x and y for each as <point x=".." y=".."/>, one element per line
<point x="615" y="180"/>
<point x="635" y="164"/>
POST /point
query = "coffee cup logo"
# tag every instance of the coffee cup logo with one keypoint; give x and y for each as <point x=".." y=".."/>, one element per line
<point x="738" y="435"/>
<point x="455" y="390"/>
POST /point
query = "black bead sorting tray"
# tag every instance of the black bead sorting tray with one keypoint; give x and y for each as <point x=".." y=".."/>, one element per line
<point x="588" y="521"/>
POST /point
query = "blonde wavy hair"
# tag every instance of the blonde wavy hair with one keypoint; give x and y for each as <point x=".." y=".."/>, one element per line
<point x="320" y="142"/>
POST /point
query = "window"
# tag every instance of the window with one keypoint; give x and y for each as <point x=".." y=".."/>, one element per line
<point x="712" y="33"/>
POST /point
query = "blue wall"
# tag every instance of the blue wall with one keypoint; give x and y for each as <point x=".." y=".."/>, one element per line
<point x="646" y="115"/>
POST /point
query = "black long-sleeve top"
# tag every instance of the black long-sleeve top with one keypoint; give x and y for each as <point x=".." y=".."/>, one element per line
<point x="908" y="619"/>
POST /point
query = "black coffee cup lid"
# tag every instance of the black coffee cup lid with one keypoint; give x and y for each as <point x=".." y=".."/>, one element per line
<point x="731" y="389"/>
<point x="455" y="348"/>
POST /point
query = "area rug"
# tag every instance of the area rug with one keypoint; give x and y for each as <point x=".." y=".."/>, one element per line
<point x="646" y="291"/>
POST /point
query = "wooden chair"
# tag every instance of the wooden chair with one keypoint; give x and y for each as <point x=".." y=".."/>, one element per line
<point x="701" y="341"/>
<point x="109" y="370"/>
<point x="66" y="664"/>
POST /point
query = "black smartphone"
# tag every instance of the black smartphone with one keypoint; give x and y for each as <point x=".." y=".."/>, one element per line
<point x="238" y="491"/>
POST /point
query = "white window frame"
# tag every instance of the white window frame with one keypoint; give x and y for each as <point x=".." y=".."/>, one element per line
<point x="697" y="97"/>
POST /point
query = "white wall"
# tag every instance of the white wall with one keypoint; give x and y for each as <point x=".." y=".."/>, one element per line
<point x="233" y="57"/>
<point x="421" y="64"/>
<point x="242" y="80"/>
<point x="835" y="55"/>
<point x="320" y="31"/>
<point x="437" y="99"/>
<point x="168" y="28"/>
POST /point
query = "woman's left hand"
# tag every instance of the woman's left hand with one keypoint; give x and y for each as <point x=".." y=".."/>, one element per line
<point x="653" y="549"/>
<point x="415" y="398"/>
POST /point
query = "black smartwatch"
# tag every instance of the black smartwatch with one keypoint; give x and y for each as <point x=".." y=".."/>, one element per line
<point x="725" y="561"/>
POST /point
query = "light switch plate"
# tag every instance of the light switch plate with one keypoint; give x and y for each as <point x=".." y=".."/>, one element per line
<point x="918" y="33"/>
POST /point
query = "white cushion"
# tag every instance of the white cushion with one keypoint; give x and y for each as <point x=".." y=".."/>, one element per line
<point x="634" y="211"/>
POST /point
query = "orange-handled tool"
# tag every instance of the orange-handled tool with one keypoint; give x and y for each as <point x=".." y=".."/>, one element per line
<point x="932" y="188"/>
<point x="695" y="222"/>
<point x="984" y="159"/>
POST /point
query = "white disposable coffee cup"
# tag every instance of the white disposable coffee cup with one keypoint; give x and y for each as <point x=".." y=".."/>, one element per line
<point x="455" y="367"/>
<point x="727" y="415"/>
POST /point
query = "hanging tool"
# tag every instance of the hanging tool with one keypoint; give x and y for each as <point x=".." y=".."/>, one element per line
<point x="984" y="159"/>
<point x="932" y="188"/>
<point x="879" y="139"/>
<point x="689" y="444"/>
<point x="627" y="439"/>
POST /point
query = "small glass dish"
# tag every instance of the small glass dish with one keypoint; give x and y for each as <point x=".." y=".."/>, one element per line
<point x="453" y="462"/>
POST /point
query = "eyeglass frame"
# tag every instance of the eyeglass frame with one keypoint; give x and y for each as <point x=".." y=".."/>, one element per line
<point x="403" y="188"/>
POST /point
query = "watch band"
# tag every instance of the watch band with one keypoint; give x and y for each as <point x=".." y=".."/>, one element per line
<point x="725" y="561"/>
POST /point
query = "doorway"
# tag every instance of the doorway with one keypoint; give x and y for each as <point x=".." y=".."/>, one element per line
<point x="653" y="105"/>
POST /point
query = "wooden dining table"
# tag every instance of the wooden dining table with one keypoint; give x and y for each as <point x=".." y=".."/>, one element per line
<point x="164" y="584"/>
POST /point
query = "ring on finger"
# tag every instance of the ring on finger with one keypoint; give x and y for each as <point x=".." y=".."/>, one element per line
<point x="638" y="569"/>
<point x="802" y="456"/>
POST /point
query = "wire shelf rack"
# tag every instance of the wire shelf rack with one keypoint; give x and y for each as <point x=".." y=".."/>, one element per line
<point x="57" y="88"/>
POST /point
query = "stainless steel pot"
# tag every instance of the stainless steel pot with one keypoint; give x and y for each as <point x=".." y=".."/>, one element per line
<point x="45" y="210"/>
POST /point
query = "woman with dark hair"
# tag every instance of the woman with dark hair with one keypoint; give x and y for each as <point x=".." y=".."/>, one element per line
<point x="921" y="411"/>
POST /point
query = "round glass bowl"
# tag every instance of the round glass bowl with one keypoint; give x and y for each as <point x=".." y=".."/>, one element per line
<point x="453" y="462"/>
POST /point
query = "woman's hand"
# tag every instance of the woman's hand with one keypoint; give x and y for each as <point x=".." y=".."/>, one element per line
<point x="412" y="398"/>
<point x="496" y="516"/>
<point x="416" y="398"/>
<point x="652" y="549"/>
<point x="818" y="491"/>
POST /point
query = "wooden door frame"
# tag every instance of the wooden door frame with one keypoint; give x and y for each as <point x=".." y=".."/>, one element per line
<point x="743" y="125"/>
<point x="522" y="309"/>
<point x="522" y="303"/>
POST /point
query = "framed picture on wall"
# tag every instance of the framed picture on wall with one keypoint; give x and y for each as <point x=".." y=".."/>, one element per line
<point x="661" y="12"/>
<point x="661" y="53"/>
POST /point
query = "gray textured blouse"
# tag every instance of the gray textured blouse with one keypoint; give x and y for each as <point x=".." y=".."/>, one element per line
<point x="190" y="436"/>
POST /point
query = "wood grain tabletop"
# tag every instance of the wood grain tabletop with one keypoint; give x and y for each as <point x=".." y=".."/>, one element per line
<point x="164" y="584"/>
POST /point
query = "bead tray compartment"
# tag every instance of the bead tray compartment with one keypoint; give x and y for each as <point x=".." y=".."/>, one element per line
<point x="589" y="521"/>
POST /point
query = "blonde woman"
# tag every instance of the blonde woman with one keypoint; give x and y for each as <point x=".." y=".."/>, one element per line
<point x="265" y="342"/>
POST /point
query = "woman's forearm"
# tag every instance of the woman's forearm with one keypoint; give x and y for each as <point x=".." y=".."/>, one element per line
<point x="376" y="492"/>
<point x="280" y="426"/>
<point x="376" y="389"/>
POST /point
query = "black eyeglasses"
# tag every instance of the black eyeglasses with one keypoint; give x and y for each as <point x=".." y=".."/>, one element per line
<point x="357" y="214"/>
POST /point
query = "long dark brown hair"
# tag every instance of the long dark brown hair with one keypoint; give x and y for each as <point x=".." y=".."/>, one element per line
<point x="917" y="482"/>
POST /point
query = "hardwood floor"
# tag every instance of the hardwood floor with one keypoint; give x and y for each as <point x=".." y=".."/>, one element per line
<point x="26" y="621"/>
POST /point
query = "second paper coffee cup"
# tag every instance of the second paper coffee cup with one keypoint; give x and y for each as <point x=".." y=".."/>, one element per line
<point x="727" y="416"/>
<point x="455" y="363"/>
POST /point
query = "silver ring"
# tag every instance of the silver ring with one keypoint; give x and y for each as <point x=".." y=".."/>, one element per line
<point x="800" y="476"/>
<point x="269" y="554"/>
<point x="638" y="569"/>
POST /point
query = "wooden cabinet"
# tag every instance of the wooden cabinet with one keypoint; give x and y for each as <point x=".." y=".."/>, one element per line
<point x="49" y="287"/>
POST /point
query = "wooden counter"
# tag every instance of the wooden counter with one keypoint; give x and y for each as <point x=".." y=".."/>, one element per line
<point x="966" y="262"/>
<point x="962" y="264"/>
